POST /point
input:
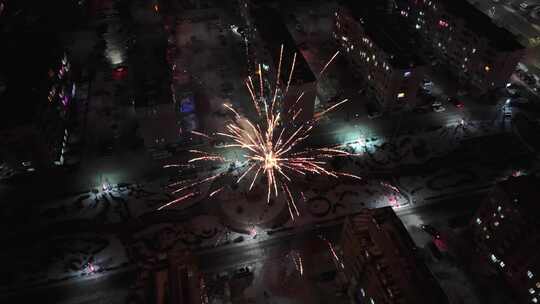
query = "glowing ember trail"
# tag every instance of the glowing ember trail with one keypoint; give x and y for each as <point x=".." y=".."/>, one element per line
<point x="298" y="263"/>
<point x="265" y="147"/>
<point x="328" y="63"/>
<point x="191" y="194"/>
<point x="333" y="252"/>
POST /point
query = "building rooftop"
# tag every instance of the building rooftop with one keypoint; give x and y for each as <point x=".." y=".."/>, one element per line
<point x="389" y="32"/>
<point x="482" y="25"/>
<point x="525" y="190"/>
<point x="396" y="270"/>
<point x="274" y="33"/>
<point x="506" y="232"/>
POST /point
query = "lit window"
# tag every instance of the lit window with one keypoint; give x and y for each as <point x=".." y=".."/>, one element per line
<point x="487" y="68"/>
<point x="531" y="290"/>
<point x="537" y="285"/>
<point x="466" y="59"/>
<point x="534" y="300"/>
<point x="363" y="292"/>
<point x="496" y="223"/>
<point x="499" y="208"/>
<point x="371" y="301"/>
<point x="493" y="258"/>
<point x="344" y="38"/>
<point x="401" y="95"/>
<point x="473" y="51"/>
<point x="478" y="221"/>
<point x="407" y="74"/>
<point x="530" y="274"/>
<point x="502" y="264"/>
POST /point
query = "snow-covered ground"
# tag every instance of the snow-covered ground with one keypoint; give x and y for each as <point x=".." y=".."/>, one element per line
<point x="61" y="258"/>
<point x="382" y="184"/>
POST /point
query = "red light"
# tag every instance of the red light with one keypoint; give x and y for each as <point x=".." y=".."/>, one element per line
<point x="443" y="23"/>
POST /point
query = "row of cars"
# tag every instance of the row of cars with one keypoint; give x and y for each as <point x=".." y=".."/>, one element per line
<point x="433" y="103"/>
<point x="529" y="79"/>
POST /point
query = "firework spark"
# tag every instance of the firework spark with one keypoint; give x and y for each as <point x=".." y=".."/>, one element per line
<point x="298" y="262"/>
<point x="271" y="149"/>
<point x="328" y="63"/>
<point x="337" y="260"/>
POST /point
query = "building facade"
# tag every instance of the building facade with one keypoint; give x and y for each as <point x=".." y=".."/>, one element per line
<point x="38" y="90"/>
<point x="506" y="231"/>
<point x="381" y="261"/>
<point x="479" y="53"/>
<point x="273" y="33"/>
<point x="376" y="46"/>
<point x="179" y="281"/>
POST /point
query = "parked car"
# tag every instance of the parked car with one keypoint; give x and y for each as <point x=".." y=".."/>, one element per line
<point x="427" y="85"/>
<point x="529" y="79"/>
<point x="242" y="272"/>
<point x="421" y="110"/>
<point x="456" y="102"/>
<point x="526" y="5"/>
<point x="512" y="89"/>
<point x="439" y="109"/>
<point x="431" y="230"/>
<point x="373" y="112"/>
<point x="373" y="115"/>
<point x="436" y="103"/>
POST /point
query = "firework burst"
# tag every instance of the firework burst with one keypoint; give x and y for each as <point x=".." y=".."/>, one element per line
<point x="271" y="146"/>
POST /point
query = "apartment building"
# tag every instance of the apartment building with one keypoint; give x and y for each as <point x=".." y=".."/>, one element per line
<point x="506" y="232"/>
<point x="382" y="261"/>
<point x="379" y="47"/>
<point x="478" y="52"/>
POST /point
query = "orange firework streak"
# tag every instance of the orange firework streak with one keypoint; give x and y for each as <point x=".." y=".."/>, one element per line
<point x="270" y="149"/>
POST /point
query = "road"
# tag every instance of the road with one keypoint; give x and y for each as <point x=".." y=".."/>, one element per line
<point x="110" y="289"/>
<point x="233" y="256"/>
<point x="437" y="213"/>
<point x="508" y="15"/>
